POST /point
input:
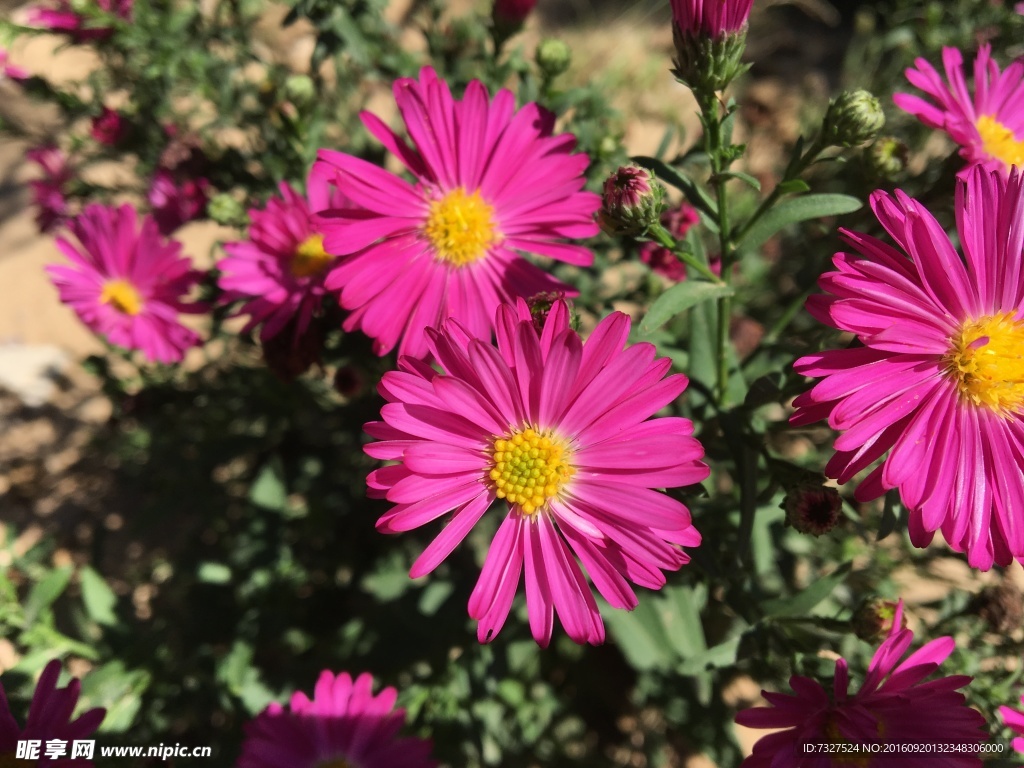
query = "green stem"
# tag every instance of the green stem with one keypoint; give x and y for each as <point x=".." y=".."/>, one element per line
<point x="662" y="237"/>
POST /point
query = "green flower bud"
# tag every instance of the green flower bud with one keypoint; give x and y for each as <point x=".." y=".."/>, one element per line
<point x="226" y="210"/>
<point x="887" y="157"/>
<point x="852" y="118"/>
<point x="632" y="201"/>
<point x="707" y="64"/>
<point x="872" y="621"/>
<point x="553" y="57"/>
<point x="812" y="508"/>
<point x="300" y="88"/>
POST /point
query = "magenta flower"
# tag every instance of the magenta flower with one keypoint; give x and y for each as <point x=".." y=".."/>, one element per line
<point x="49" y="192"/>
<point x="9" y="70"/>
<point x="280" y="270"/>
<point x="893" y="706"/>
<point x="344" y="725"/>
<point x="512" y="13"/>
<point x="64" y="18"/>
<point x="109" y="127"/>
<point x="176" y="201"/>
<point x="561" y="431"/>
<point x="49" y="718"/>
<point x="988" y="126"/>
<point x="490" y="181"/>
<point x="1014" y="719"/>
<point x="710" y="18"/>
<point x="939" y="380"/>
<point x="678" y="221"/>
<point x="128" y="285"/>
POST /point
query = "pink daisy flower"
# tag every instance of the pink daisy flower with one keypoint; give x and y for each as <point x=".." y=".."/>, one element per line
<point x="280" y="270"/>
<point x="49" y="718"/>
<point x="1014" y="719"/>
<point x="560" y="431"/>
<point x="988" y="126"/>
<point x="710" y="18"/>
<point x="64" y="18"/>
<point x="344" y="726"/>
<point x="128" y="285"/>
<point x="489" y="181"/>
<point x="176" y="201"/>
<point x="938" y="382"/>
<point x="893" y="706"/>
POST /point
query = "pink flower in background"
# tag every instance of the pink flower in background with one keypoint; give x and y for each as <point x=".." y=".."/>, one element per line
<point x="939" y="380"/>
<point x="175" y="200"/>
<point x="63" y="18"/>
<point x="490" y="182"/>
<point x="988" y="126"/>
<point x="109" y="127"/>
<point x="678" y="222"/>
<point x="710" y="18"/>
<point x="280" y="270"/>
<point x="48" y="193"/>
<point x="49" y="717"/>
<point x="561" y="431"/>
<point x="9" y="70"/>
<point x="512" y="13"/>
<point x="344" y="725"/>
<point x="893" y="706"/>
<point x="1014" y="718"/>
<point x="128" y="285"/>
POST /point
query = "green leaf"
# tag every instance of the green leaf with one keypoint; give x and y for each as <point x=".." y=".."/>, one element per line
<point x="269" y="490"/>
<point x="98" y="597"/>
<point x="641" y="636"/>
<point x="213" y="573"/>
<point x="793" y="186"/>
<point x="117" y="690"/>
<point x="802" y="603"/>
<point x="679" y="298"/>
<point x="797" y="209"/>
<point x="681" y="616"/>
<point x="744" y="177"/>
<point x="721" y="655"/>
<point x="45" y="592"/>
<point x="695" y="194"/>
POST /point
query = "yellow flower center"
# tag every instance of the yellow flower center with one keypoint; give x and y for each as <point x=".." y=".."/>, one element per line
<point x="986" y="358"/>
<point x="999" y="142"/>
<point x="460" y="227"/>
<point x="310" y="257"/>
<point x="122" y="296"/>
<point x="529" y="468"/>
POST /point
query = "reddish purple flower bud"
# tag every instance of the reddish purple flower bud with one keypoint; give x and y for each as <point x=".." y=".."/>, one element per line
<point x="109" y="127"/>
<point x="175" y="202"/>
<point x="48" y="193"/>
<point x="710" y="18"/>
<point x="64" y="18"/>
<point x="631" y="201"/>
<point x="512" y="13"/>
<point x="813" y="509"/>
<point x="10" y="70"/>
<point x="678" y="222"/>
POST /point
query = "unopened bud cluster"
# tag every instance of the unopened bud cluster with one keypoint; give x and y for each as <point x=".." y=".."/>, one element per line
<point x="853" y="117"/>
<point x="632" y="201"/>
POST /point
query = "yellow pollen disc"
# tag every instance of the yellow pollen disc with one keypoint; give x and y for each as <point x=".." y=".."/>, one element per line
<point x="122" y="296"/>
<point x="460" y="227"/>
<point x="310" y="257"/>
<point x="986" y="358"/>
<point x="999" y="142"/>
<point x="529" y="469"/>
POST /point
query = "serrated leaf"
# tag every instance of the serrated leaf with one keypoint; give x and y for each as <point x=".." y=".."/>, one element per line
<point x="802" y="603"/>
<point x="679" y="298"/>
<point x="795" y="210"/>
<point x="98" y="597"/>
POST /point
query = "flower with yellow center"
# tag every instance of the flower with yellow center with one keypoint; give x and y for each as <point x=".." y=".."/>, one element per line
<point x="529" y="469"/>
<point x="122" y="296"/>
<point x="999" y="142"/>
<point x="986" y="358"/>
<point x="310" y="257"/>
<point x="461" y="227"/>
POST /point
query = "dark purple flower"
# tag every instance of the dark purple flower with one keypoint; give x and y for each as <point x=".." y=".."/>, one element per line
<point x="175" y="201"/>
<point x="48" y="193"/>
<point x="109" y="127"/>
